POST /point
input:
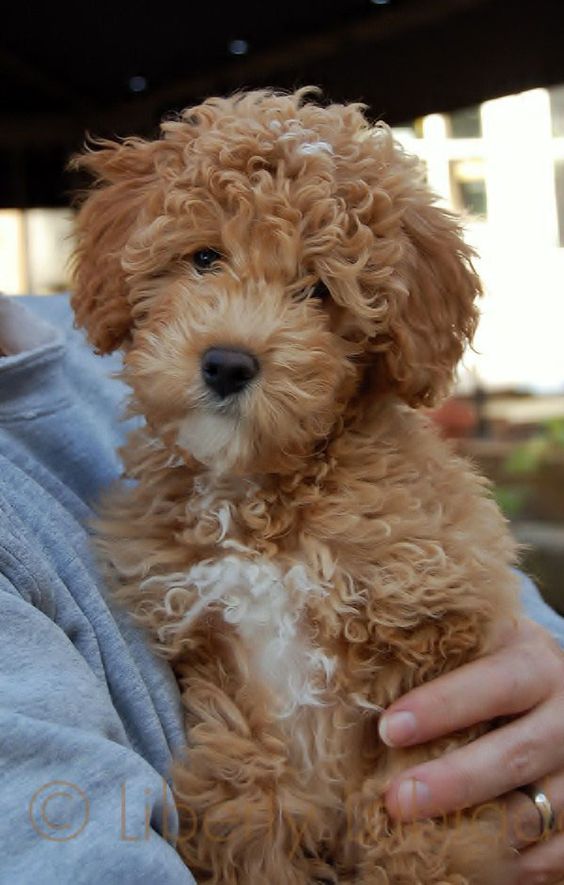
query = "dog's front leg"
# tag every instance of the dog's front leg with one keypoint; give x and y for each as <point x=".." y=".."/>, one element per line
<point x="245" y="817"/>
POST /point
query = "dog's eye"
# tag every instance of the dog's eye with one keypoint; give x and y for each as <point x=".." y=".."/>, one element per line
<point x="320" y="291"/>
<point x="204" y="259"/>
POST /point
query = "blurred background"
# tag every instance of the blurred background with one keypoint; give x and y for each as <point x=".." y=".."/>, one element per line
<point x="474" y="87"/>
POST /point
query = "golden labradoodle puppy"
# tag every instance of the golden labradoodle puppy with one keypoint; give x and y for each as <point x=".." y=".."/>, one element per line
<point x="297" y="540"/>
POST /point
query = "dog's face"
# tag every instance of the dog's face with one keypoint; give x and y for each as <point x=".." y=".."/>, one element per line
<point x="265" y="264"/>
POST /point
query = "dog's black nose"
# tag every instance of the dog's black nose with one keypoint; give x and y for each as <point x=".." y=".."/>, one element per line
<point x="228" y="371"/>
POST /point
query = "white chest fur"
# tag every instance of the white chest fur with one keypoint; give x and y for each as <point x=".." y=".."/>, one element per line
<point x="265" y="605"/>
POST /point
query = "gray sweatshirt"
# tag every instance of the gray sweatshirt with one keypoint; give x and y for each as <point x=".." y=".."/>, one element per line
<point x="89" y="717"/>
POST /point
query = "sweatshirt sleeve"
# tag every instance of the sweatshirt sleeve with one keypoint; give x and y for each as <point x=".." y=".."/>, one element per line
<point x="537" y="609"/>
<point x="77" y="804"/>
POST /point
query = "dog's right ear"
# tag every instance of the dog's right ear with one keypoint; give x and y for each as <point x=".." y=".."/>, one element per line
<point x="124" y="173"/>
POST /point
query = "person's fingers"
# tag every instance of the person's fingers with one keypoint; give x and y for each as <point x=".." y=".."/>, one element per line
<point x="519" y="753"/>
<point x="520" y="818"/>
<point x="500" y="684"/>
<point x="543" y="864"/>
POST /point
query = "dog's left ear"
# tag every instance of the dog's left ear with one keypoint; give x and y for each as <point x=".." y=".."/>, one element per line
<point x="430" y="327"/>
<point x="124" y="174"/>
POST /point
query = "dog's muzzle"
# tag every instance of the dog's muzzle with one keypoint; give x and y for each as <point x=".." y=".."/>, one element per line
<point x="227" y="371"/>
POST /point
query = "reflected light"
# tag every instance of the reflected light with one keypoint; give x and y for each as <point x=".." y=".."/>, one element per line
<point x="238" y="47"/>
<point x="137" y="84"/>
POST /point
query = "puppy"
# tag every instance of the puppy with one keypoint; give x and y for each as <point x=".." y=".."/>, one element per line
<point x="295" y="537"/>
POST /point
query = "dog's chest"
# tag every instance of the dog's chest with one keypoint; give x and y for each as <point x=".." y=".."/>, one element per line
<point x="263" y="599"/>
<point x="265" y="604"/>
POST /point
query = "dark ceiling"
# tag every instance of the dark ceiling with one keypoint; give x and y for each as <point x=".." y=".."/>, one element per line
<point x="64" y="73"/>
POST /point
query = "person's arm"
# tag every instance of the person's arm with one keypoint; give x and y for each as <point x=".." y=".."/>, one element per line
<point x="77" y="804"/>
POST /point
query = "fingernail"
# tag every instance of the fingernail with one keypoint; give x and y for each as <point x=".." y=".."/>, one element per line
<point x="397" y="728"/>
<point x="412" y="797"/>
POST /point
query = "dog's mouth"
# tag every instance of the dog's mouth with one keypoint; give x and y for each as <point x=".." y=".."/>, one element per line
<point x="230" y="407"/>
<point x="214" y="429"/>
<point x="213" y="435"/>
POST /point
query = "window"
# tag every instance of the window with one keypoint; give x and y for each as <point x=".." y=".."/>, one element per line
<point x="466" y="123"/>
<point x="468" y="186"/>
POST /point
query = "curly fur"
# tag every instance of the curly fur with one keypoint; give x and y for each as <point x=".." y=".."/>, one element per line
<point x="308" y="551"/>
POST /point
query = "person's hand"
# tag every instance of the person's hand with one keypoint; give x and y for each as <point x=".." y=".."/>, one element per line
<point x="522" y="678"/>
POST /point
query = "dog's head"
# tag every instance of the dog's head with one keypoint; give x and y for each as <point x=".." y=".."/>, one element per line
<point x="264" y="264"/>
